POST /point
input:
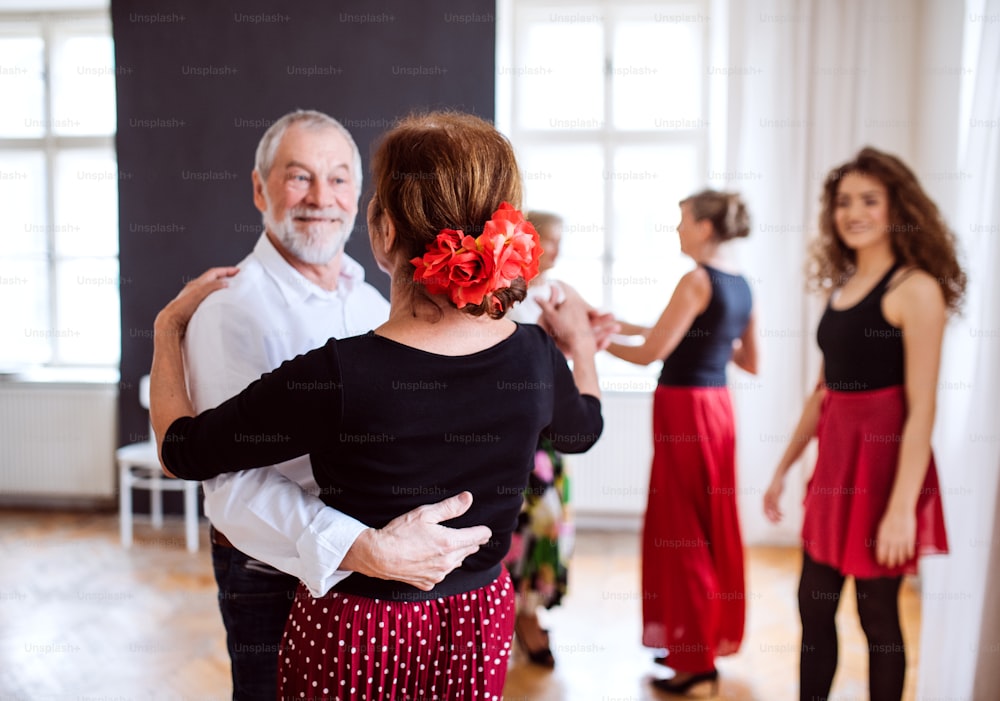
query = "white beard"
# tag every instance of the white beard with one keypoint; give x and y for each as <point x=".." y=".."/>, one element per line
<point x="312" y="243"/>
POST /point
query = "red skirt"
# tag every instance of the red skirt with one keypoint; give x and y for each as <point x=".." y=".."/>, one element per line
<point x="859" y="439"/>
<point x="345" y="646"/>
<point x="693" y="592"/>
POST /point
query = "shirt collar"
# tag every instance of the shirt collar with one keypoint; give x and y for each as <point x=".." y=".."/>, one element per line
<point x="296" y="287"/>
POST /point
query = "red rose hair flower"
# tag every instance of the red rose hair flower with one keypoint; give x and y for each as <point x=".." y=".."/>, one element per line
<point x="470" y="269"/>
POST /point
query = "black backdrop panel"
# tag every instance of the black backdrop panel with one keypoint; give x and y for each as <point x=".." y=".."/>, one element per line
<point x="198" y="84"/>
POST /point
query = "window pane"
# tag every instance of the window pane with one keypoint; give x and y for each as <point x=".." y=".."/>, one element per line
<point x="83" y="85"/>
<point x="619" y="374"/>
<point x="26" y="331"/>
<point x="88" y="329"/>
<point x="585" y="276"/>
<point x="619" y="89"/>
<point x="86" y="201"/>
<point x="648" y="182"/>
<point x="22" y="192"/>
<point x="657" y="74"/>
<point x="567" y="181"/>
<point x="559" y="77"/>
<point x="22" y="109"/>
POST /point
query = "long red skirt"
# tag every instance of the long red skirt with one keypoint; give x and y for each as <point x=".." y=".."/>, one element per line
<point x="345" y="646"/>
<point x="693" y="596"/>
<point x="859" y="439"/>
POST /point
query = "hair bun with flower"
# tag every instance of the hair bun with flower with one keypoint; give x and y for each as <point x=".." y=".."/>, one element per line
<point x="471" y="269"/>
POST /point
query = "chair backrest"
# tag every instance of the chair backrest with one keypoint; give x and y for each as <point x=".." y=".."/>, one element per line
<point x="144" y="400"/>
<point x="144" y="391"/>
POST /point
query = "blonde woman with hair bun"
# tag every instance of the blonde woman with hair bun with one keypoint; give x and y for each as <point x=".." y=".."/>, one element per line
<point x="693" y="598"/>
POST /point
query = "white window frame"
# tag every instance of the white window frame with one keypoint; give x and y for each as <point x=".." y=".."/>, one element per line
<point x="707" y="139"/>
<point x="50" y="145"/>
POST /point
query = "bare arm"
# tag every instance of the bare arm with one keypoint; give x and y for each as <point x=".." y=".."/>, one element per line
<point x="628" y="329"/>
<point x="917" y="307"/>
<point x="690" y="298"/>
<point x="745" y="350"/>
<point x="804" y="432"/>
<point x="168" y="396"/>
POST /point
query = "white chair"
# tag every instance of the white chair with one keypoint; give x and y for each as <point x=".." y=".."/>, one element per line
<point x="139" y="468"/>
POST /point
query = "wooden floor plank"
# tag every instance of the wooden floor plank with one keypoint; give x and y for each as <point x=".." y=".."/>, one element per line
<point x="82" y="618"/>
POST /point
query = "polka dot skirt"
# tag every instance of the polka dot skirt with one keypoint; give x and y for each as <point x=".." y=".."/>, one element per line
<point x="345" y="646"/>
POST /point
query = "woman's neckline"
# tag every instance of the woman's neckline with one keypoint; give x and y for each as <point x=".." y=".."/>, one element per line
<point x="415" y="349"/>
<point x="881" y="283"/>
<point x="715" y="269"/>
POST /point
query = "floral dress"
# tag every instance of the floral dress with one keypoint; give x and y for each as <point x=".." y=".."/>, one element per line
<point x="543" y="540"/>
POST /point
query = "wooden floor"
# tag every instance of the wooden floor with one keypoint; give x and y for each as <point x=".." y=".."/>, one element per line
<point x="81" y="618"/>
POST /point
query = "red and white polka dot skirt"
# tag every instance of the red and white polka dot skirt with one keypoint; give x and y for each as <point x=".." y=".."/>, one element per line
<point x="345" y="646"/>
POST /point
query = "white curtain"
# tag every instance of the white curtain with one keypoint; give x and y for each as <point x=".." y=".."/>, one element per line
<point x="961" y="618"/>
<point x="808" y="84"/>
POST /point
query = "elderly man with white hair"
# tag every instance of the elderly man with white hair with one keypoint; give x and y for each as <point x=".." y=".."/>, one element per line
<point x="295" y="290"/>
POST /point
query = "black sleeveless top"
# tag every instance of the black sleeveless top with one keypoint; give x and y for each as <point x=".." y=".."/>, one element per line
<point x="861" y="350"/>
<point x="699" y="360"/>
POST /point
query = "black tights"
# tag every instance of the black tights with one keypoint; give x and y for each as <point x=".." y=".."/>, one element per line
<point x="878" y="609"/>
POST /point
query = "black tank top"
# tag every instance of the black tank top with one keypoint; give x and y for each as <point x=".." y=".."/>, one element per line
<point x="699" y="360"/>
<point x="861" y="350"/>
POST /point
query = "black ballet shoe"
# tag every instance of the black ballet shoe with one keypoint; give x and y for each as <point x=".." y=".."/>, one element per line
<point x="672" y="687"/>
<point x="542" y="657"/>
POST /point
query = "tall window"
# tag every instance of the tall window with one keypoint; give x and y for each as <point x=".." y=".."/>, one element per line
<point x="59" y="281"/>
<point x="606" y="104"/>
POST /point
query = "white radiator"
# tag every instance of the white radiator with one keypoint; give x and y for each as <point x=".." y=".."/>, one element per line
<point x="57" y="440"/>
<point x="610" y="482"/>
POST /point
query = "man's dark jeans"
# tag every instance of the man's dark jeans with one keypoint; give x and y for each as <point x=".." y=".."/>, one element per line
<point x="255" y="600"/>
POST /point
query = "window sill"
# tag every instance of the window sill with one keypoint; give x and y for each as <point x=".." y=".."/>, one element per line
<point x="61" y="376"/>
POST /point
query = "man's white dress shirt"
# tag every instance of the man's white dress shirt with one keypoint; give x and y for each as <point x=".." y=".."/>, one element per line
<point x="270" y="313"/>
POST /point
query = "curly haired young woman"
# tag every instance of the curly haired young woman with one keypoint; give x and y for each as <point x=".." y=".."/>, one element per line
<point x="887" y="261"/>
